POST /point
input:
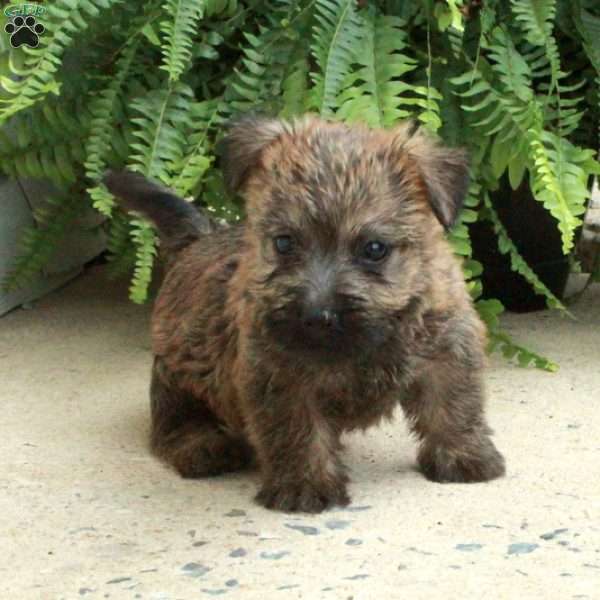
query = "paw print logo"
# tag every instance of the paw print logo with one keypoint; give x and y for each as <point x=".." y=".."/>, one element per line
<point x="24" y="32"/>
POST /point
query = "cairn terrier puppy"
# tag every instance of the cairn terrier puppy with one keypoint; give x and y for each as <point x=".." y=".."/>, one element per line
<point x="337" y="299"/>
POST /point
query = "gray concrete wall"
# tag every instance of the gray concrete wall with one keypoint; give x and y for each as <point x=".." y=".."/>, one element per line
<point x="18" y="201"/>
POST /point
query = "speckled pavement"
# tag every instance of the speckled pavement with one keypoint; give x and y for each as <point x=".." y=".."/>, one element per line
<point x="86" y="512"/>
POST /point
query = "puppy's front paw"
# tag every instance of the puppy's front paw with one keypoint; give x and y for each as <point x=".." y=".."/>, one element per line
<point x="302" y="497"/>
<point x="447" y="465"/>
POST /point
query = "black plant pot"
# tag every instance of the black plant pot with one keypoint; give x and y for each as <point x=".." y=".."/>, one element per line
<point x="535" y="233"/>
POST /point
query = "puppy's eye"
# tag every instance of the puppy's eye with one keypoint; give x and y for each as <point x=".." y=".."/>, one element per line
<point x="375" y="251"/>
<point x="284" y="244"/>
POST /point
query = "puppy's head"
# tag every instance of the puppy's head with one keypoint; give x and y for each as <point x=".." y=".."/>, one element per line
<point x="344" y="223"/>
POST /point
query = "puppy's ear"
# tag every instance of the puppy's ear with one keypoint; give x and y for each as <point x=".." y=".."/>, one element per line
<point x="444" y="171"/>
<point x="242" y="147"/>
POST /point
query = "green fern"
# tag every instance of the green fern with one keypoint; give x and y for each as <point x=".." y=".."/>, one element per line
<point x="336" y="35"/>
<point x="196" y="158"/>
<point x="179" y="30"/>
<point x="461" y="242"/>
<point x="588" y="26"/>
<point x="66" y="19"/>
<point x="224" y="8"/>
<point x="260" y="76"/>
<point x="376" y="92"/>
<point x="516" y="98"/>
<point x="560" y="180"/>
<point x="294" y="87"/>
<point x="249" y="88"/>
<point x="499" y="341"/>
<point x="154" y="82"/>
<point x="119" y="245"/>
<point x="514" y="112"/>
<point x="161" y="130"/>
<point x="144" y="238"/>
<point x="102" y="130"/>
<point x="47" y="142"/>
<point x="537" y="20"/>
<point x="502" y="342"/>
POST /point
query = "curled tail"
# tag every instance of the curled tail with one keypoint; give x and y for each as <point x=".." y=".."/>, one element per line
<point x="177" y="221"/>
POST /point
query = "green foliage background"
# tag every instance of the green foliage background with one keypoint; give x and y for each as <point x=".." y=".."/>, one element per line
<point x="149" y="85"/>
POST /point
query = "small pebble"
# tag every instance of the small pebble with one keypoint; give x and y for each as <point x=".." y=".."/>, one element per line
<point x="305" y="529"/>
<point x="468" y="547"/>
<point x="522" y="548"/>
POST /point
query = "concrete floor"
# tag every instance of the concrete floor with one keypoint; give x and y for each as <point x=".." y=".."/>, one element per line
<point x="85" y="511"/>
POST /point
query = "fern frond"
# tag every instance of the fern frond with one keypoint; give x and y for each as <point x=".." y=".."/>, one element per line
<point x="458" y="236"/>
<point x="161" y="130"/>
<point x="294" y="87"/>
<point x="161" y="133"/>
<point x="500" y="341"/>
<point x="500" y="96"/>
<point x="374" y="92"/>
<point x="513" y="112"/>
<point x="67" y="18"/>
<point x="102" y="130"/>
<point x="144" y="238"/>
<point x="224" y="8"/>
<point x="537" y="21"/>
<point x="588" y="26"/>
<point x="120" y="247"/>
<point x="296" y="78"/>
<point x="336" y="35"/>
<point x="536" y="17"/>
<point x="460" y="240"/>
<point x="196" y="158"/>
<point x="248" y="86"/>
<point x="46" y="142"/>
<point x="560" y="180"/>
<point x="258" y="79"/>
<point x="178" y="31"/>
<point x="450" y="16"/>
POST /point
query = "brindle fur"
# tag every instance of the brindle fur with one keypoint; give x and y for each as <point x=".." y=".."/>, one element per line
<point x="238" y="376"/>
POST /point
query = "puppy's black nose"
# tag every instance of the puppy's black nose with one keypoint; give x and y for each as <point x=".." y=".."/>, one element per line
<point x="321" y="320"/>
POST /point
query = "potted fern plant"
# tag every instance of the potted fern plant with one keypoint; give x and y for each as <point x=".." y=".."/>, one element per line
<point x="514" y="81"/>
<point x="534" y="227"/>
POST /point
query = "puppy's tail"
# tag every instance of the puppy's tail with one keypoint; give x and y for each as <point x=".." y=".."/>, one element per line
<point x="177" y="221"/>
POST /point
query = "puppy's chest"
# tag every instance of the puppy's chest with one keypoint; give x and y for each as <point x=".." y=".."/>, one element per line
<point x="358" y="401"/>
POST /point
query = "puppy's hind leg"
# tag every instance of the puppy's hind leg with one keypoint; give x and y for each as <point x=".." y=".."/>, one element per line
<point x="189" y="437"/>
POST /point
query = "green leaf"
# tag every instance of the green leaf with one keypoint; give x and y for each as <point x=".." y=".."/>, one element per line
<point x="178" y="35"/>
<point x="336" y="34"/>
<point x="374" y="91"/>
<point x="150" y="34"/>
